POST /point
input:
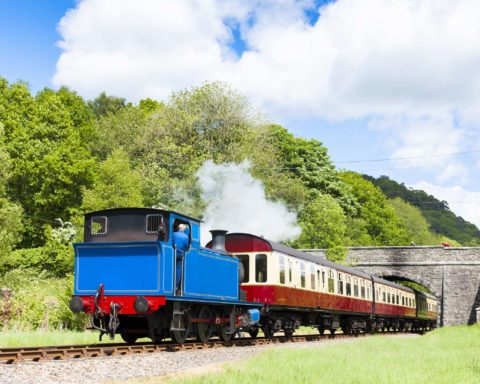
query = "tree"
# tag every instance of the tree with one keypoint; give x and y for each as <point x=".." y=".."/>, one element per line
<point x="104" y="104"/>
<point x="381" y="221"/>
<point x="416" y="225"/>
<point x="308" y="161"/>
<point x="49" y="162"/>
<point x="117" y="185"/>
<point x="10" y="213"/>
<point x="323" y="224"/>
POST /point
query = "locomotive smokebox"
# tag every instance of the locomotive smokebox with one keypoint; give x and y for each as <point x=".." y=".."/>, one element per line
<point x="218" y="239"/>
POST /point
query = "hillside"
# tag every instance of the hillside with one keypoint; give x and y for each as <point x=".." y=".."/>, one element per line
<point x="441" y="219"/>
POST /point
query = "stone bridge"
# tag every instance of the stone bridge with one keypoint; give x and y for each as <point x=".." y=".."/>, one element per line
<point x="451" y="274"/>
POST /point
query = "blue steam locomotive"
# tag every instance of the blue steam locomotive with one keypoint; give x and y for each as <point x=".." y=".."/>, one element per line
<point x="126" y="274"/>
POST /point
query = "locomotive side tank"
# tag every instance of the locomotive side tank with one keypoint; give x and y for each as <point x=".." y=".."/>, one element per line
<point x="126" y="274"/>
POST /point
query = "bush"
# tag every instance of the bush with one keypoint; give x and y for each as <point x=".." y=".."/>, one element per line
<point x="32" y="300"/>
<point x="54" y="257"/>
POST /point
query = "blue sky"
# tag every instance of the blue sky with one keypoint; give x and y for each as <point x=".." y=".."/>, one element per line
<point x="372" y="80"/>
<point x="28" y="39"/>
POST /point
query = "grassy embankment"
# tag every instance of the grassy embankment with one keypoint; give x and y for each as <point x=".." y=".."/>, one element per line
<point x="448" y="355"/>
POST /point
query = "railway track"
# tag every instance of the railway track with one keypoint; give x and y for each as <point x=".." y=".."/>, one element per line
<point x="35" y="354"/>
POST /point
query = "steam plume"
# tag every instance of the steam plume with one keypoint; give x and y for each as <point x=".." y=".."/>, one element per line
<point x="236" y="202"/>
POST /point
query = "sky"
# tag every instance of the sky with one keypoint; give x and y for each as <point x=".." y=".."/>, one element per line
<point x="390" y="87"/>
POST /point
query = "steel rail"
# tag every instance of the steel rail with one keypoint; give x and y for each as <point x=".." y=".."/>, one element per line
<point x="35" y="354"/>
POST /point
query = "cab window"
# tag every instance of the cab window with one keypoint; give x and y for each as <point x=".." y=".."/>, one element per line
<point x="99" y="226"/>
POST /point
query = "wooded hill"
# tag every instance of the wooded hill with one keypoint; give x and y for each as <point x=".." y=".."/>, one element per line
<point x="437" y="213"/>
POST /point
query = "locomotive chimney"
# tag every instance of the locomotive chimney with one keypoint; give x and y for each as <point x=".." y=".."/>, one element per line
<point x="218" y="239"/>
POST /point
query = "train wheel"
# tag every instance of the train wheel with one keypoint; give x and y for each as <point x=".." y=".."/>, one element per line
<point x="332" y="331"/>
<point x="224" y="334"/>
<point x="180" y="337"/>
<point x="128" y="337"/>
<point x="267" y="330"/>
<point x="253" y="333"/>
<point x="288" y="332"/>
<point x="321" y="330"/>
<point x="204" y="330"/>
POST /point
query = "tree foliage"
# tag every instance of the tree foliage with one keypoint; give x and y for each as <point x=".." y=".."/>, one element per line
<point x="442" y="221"/>
<point x="50" y="164"/>
<point x="417" y="226"/>
<point x="117" y="185"/>
<point x="381" y="222"/>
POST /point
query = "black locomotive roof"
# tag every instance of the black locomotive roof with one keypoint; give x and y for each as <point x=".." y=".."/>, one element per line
<point x="279" y="247"/>
<point x="136" y="210"/>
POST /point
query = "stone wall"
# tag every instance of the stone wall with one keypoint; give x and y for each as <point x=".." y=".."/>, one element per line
<point x="452" y="274"/>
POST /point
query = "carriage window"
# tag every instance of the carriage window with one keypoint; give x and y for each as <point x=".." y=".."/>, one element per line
<point x="318" y="278"/>
<point x="362" y="289"/>
<point x="384" y="296"/>
<point x="368" y="291"/>
<point x="348" y="287"/>
<point x="323" y="279"/>
<point x="355" y="287"/>
<point x="289" y="271"/>
<point x="302" y="275"/>
<point x="340" y="284"/>
<point x="312" y="277"/>
<point x="245" y="260"/>
<point x="331" y="283"/>
<point x="282" y="269"/>
<point x="261" y="268"/>
<point x="99" y="226"/>
<point x="398" y="299"/>
<point x="413" y="303"/>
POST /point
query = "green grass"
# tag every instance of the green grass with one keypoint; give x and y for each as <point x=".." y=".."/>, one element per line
<point x="44" y="338"/>
<point x="448" y="355"/>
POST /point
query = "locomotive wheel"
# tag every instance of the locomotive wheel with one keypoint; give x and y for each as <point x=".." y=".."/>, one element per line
<point x="253" y="332"/>
<point x="128" y="337"/>
<point x="203" y="331"/>
<point x="180" y="337"/>
<point x="224" y="334"/>
<point x="288" y="332"/>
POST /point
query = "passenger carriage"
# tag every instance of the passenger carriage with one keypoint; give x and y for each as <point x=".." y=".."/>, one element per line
<point x="297" y="288"/>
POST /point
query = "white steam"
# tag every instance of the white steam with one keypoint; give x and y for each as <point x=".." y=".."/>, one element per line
<point x="236" y="202"/>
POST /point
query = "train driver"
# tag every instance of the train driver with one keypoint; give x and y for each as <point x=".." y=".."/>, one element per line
<point x="180" y="241"/>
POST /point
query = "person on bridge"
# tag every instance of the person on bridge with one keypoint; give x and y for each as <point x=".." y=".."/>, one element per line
<point x="181" y="243"/>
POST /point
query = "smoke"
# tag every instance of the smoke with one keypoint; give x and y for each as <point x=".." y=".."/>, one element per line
<point x="236" y="202"/>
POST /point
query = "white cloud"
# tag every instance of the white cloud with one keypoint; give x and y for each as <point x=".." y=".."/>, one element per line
<point x="462" y="202"/>
<point x="415" y="65"/>
<point x="370" y="57"/>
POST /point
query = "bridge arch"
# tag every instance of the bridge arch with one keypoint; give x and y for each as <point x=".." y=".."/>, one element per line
<point x="408" y="276"/>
